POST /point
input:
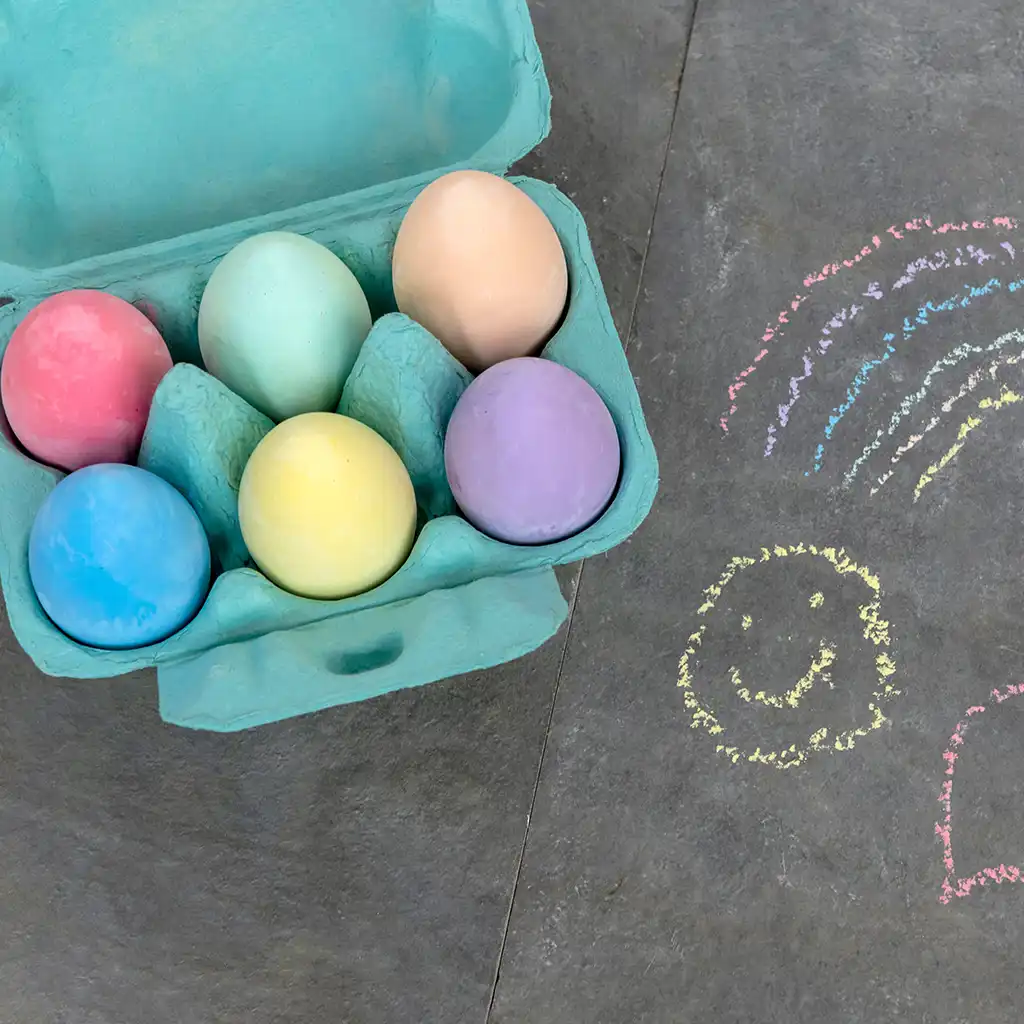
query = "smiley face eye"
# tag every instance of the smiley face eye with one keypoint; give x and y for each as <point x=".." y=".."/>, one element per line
<point x="817" y="599"/>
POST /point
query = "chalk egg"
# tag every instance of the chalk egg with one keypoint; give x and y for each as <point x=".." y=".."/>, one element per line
<point x="118" y="558"/>
<point x="78" y="378"/>
<point x="281" y="322"/>
<point x="531" y="453"/>
<point x="326" y="507"/>
<point x="479" y="265"/>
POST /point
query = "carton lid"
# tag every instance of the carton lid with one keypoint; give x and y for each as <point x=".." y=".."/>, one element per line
<point x="127" y="122"/>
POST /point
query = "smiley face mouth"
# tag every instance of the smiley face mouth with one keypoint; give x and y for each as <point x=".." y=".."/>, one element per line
<point x="871" y="625"/>
<point x="793" y="696"/>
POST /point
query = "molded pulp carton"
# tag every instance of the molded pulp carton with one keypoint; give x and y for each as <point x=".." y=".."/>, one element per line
<point x="140" y="140"/>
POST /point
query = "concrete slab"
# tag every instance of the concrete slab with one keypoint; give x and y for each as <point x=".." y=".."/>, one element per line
<point x="663" y="882"/>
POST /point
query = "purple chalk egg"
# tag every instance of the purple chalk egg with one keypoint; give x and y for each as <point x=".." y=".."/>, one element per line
<point x="531" y="452"/>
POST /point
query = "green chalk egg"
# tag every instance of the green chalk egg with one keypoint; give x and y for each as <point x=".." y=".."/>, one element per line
<point x="281" y="323"/>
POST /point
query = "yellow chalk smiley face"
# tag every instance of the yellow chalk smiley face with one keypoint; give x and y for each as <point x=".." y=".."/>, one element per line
<point x="732" y="628"/>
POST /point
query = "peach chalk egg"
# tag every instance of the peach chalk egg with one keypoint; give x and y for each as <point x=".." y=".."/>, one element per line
<point x="479" y="265"/>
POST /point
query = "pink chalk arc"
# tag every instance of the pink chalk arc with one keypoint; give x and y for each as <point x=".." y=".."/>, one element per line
<point x="956" y="886"/>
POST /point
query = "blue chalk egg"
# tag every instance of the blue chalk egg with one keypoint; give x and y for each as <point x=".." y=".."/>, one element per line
<point x="118" y="558"/>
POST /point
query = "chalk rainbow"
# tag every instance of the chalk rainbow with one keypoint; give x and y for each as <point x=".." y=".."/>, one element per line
<point x="912" y="228"/>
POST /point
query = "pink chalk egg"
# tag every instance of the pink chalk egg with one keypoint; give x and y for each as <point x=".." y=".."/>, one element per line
<point x="78" y="377"/>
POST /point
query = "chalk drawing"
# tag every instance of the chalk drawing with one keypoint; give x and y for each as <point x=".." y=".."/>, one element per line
<point x="791" y="698"/>
<point x="955" y="886"/>
<point x="872" y="626"/>
<point x="986" y="405"/>
<point x="914" y="228"/>
<point x="829" y="333"/>
<point x="923" y="317"/>
<point x="957" y="355"/>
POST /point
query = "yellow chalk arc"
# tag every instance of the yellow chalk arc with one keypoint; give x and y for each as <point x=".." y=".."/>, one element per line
<point x="985" y="407"/>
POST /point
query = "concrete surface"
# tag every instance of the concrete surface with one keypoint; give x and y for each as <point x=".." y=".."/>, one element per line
<point x="551" y="842"/>
<point x="663" y="883"/>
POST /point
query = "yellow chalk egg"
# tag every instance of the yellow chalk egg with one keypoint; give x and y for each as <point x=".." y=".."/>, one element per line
<point x="326" y="506"/>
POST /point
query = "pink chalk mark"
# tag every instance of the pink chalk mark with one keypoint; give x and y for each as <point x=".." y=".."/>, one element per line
<point x="954" y="886"/>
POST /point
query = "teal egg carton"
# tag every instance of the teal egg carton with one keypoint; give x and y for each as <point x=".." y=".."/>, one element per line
<point x="139" y="142"/>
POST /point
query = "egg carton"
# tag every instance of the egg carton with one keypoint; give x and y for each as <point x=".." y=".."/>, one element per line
<point x="468" y="90"/>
